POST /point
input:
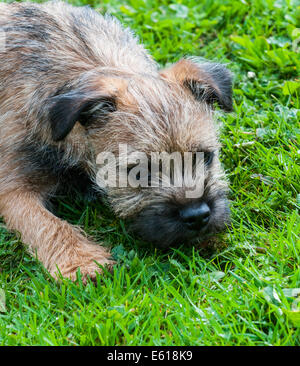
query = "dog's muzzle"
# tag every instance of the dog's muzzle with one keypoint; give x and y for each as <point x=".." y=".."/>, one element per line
<point x="165" y="225"/>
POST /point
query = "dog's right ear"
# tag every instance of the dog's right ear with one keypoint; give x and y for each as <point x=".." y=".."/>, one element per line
<point x="76" y="106"/>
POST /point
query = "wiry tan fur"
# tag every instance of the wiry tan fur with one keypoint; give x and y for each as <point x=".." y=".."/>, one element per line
<point x="59" y="58"/>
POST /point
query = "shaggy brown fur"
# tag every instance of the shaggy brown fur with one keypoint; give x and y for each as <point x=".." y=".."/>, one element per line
<point x="73" y="84"/>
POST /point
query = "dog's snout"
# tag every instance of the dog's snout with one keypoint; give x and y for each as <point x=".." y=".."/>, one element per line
<point x="195" y="217"/>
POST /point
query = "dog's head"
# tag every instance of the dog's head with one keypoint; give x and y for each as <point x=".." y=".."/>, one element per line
<point x="156" y="145"/>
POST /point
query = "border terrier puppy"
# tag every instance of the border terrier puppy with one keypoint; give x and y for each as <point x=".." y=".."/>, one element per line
<point x="74" y="84"/>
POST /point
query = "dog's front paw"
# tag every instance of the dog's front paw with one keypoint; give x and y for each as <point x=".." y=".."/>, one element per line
<point x="89" y="259"/>
<point x="87" y="269"/>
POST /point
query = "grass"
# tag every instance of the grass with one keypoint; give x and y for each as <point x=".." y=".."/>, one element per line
<point x="245" y="293"/>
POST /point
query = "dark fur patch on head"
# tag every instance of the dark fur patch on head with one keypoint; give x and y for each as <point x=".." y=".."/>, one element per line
<point x="81" y="31"/>
<point x="28" y="32"/>
<point x="67" y="109"/>
<point x="34" y="23"/>
<point x="46" y="165"/>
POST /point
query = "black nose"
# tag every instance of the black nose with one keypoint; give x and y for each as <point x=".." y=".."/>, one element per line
<point x="196" y="216"/>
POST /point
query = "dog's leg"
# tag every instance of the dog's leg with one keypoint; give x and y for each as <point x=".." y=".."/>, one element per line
<point x="58" y="245"/>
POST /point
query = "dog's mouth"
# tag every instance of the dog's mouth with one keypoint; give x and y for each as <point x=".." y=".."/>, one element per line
<point x="164" y="235"/>
<point x="165" y="227"/>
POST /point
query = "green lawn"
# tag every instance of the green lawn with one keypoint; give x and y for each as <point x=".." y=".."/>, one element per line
<point x="248" y="291"/>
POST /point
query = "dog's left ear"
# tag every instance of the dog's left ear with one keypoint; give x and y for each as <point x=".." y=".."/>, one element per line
<point x="207" y="81"/>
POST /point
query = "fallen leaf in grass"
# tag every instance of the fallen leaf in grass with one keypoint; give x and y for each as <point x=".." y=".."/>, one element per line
<point x="2" y="301"/>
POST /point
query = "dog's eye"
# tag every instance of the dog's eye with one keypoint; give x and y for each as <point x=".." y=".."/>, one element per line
<point x="95" y="111"/>
<point x="208" y="157"/>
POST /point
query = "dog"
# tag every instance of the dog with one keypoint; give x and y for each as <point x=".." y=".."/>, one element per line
<point x="75" y="84"/>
